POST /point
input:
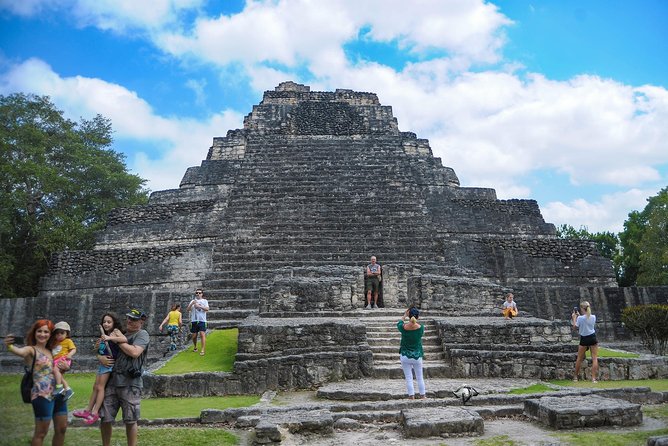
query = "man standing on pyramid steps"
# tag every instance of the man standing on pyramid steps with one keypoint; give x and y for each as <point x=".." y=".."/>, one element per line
<point x="198" y="308"/>
<point x="373" y="272"/>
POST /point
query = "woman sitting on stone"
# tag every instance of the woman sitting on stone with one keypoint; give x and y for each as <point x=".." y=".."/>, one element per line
<point x="411" y="350"/>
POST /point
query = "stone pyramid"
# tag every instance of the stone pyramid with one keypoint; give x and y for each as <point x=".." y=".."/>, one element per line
<point x="282" y="216"/>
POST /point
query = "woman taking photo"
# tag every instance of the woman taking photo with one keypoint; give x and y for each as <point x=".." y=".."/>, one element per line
<point x="584" y="321"/>
<point x="45" y="406"/>
<point x="411" y="350"/>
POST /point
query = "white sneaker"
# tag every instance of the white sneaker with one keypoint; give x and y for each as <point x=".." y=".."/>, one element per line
<point x="368" y="307"/>
<point x="375" y="307"/>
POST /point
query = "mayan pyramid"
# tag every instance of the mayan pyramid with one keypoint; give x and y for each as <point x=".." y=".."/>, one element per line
<point x="282" y="216"/>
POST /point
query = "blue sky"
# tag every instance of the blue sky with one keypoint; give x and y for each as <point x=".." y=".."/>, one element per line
<point x="562" y="101"/>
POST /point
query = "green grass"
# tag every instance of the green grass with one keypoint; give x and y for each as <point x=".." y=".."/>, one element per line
<point x="221" y="349"/>
<point x="534" y="388"/>
<point x="660" y="411"/>
<point x="657" y="385"/>
<point x="499" y="440"/>
<point x="606" y="353"/>
<point x="16" y="422"/>
<point x="636" y="438"/>
<point x="154" y="408"/>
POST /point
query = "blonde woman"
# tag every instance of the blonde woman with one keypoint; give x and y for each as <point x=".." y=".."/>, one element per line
<point x="584" y="321"/>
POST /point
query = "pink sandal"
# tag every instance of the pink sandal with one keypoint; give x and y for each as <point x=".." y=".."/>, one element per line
<point x="81" y="413"/>
<point x="92" y="418"/>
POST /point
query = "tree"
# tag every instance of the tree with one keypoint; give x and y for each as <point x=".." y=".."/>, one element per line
<point x="58" y="181"/>
<point x="650" y="322"/>
<point x="644" y="244"/>
<point x="607" y="243"/>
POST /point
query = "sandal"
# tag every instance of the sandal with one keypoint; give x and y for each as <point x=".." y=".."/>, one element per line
<point x="201" y="353"/>
<point x="92" y="418"/>
<point x="81" y="413"/>
<point x="195" y="349"/>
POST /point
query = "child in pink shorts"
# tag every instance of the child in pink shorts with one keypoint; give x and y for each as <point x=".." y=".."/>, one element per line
<point x="62" y="352"/>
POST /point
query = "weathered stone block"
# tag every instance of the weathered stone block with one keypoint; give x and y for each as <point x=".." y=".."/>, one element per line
<point x="584" y="411"/>
<point x="441" y="421"/>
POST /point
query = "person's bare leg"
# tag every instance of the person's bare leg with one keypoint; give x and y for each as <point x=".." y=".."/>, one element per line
<point x="59" y="428"/>
<point x="594" y="362"/>
<point x="41" y="429"/>
<point x="131" y="434"/>
<point x="194" y="341"/>
<point x="202" y="336"/>
<point x="105" y="431"/>
<point x="578" y="362"/>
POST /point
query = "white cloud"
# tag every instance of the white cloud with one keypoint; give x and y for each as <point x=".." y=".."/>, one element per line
<point x="187" y="140"/>
<point x="608" y="214"/>
<point x="114" y="15"/>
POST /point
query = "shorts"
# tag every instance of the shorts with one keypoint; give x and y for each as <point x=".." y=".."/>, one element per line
<point x="102" y="370"/>
<point x="127" y="399"/>
<point x="372" y="284"/>
<point x="172" y="329"/>
<point x="45" y="410"/>
<point x="588" y="341"/>
<point x="196" y="327"/>
<point x="64" y="359"/>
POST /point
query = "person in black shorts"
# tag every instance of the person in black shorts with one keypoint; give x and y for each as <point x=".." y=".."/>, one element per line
<point x="198" y="308"/>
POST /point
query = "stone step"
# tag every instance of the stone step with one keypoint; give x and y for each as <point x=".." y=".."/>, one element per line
<point x="230" y="283"/>
<point x="225" y="294"/>
<point x="230" y="313"/>
<point x="324" y="257"/>
<point x="217" y="304"/>
<point x="396" y="339"/>
<point x="273" y="265"/>
<point x="392" y="370"/>
<point x="394" y="349"/>
<point x="394" y="356"/>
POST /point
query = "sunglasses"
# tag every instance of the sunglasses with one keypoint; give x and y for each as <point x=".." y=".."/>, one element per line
<point x="198" y="292"/>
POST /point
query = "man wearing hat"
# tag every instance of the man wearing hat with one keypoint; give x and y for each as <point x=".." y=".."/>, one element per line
<point x="123" y="390"/>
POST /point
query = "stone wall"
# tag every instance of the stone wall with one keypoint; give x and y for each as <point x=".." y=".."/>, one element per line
<point x="300" y="353"/>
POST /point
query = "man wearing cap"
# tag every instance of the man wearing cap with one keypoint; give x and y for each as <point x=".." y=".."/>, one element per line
<point x="123" y="390"/>
<point x="198" y="308"/>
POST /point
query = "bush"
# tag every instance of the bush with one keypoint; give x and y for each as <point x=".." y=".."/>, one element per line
<point x="650" y="322"/>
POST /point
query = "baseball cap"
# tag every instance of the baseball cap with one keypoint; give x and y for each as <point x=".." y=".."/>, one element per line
<point x="62" y="326"/>
<point x="136" y="314"/>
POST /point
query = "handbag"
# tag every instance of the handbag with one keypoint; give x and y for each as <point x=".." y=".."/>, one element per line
<point x="27" y="381"/>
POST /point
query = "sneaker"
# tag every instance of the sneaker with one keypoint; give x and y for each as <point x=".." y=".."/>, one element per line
<point x="368" y="307"/>
<point x="593" y="381"/>
<point x="68" y="394"/>
<point x="81" y="413"/>
<point x="375" y="307"/>
<point x="58" y="390"/>
<point x="92" y="418"/>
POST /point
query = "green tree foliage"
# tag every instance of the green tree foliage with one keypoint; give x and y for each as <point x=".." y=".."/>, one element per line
<point x="58" y="181"/>
<point x="608" y="243"/>
<point x="650" y="322"/>
<point x="644" y="244"/>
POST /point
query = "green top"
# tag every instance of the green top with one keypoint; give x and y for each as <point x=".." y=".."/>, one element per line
<point x="411" y="341"/>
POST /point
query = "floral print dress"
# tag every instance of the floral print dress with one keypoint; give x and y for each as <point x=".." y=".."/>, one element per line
<point x="43" y="379"/>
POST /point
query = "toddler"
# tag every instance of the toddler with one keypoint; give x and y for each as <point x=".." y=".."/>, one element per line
<point x="62" y="352"/>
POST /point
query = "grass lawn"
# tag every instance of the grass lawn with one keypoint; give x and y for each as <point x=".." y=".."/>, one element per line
<point x="657" y="385"/>
<point x="534" y="388"/>
<point x="637" y="438"/>
<point x="221" y="349"/>
<point x="16" y="422"/>
<point x="607" y="353"/>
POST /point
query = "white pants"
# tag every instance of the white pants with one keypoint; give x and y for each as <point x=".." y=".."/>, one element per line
<point x="408" y="365"/>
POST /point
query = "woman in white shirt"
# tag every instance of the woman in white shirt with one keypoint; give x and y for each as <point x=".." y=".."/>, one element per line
<point x="584" y="321"/>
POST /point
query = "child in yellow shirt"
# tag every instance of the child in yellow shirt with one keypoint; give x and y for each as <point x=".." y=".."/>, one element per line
<point x="62" y="352"/>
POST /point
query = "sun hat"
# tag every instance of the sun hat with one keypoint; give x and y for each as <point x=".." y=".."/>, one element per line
<point x="62" y="326"/>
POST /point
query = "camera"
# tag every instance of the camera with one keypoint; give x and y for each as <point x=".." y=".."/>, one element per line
<point x="133" y="373"/>
<point x="575" y="310"/>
